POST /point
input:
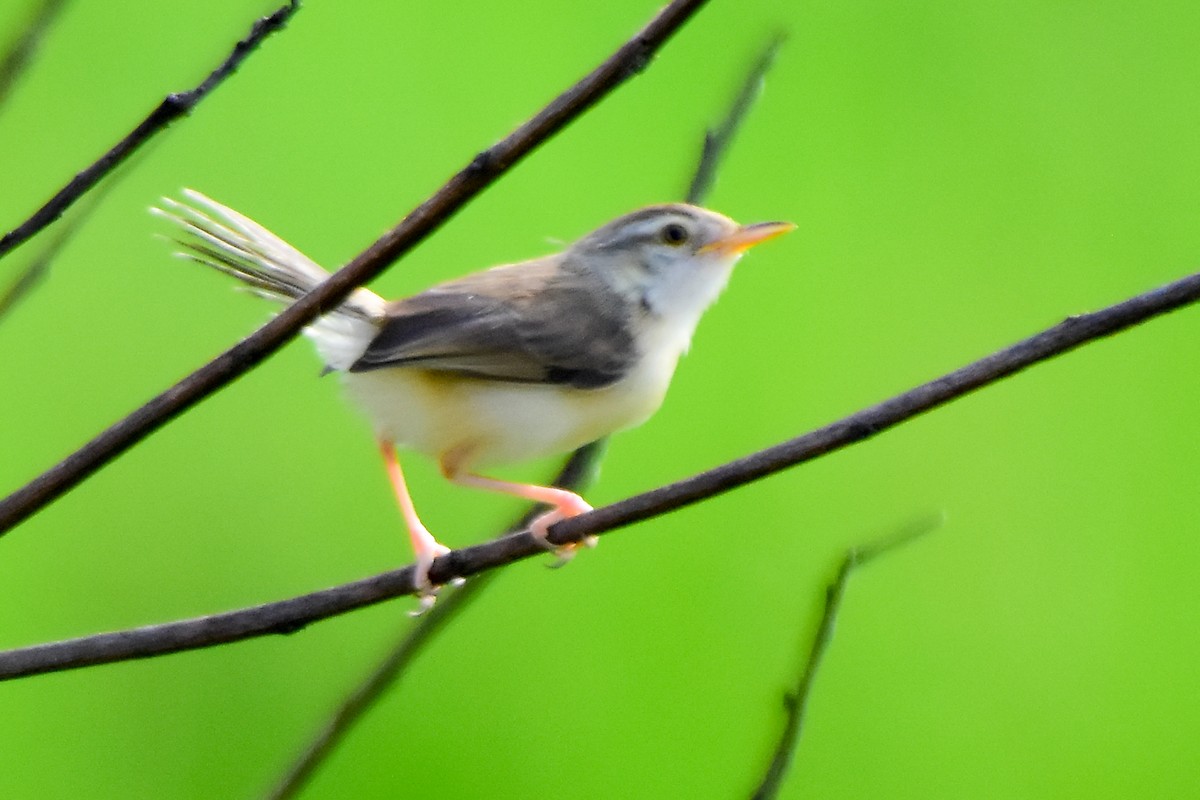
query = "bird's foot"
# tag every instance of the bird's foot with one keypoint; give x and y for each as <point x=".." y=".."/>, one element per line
<point x="540" y="528"/>
<point x="427" y="590"/>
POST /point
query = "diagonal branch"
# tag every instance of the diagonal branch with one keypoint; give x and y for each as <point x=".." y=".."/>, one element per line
<point x="287" y="616"/>
<point x="718" y="139"/>
<point x="171" y="108"/>
<point x="23" y="48"/>
<point x="796" y="701"/>
<point x="1062" y="338"/>
<point x="483" y="170"/>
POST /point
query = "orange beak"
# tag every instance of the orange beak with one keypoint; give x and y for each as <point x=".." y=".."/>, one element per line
<point x="746" y="237"/>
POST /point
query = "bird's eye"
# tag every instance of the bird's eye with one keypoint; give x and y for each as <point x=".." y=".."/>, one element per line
<point x="674" y="234"/>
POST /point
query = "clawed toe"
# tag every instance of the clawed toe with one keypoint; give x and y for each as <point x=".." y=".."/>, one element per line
<point x="426" y="598"/>
<point x="427" y="590"/>
<point x="563" y="553"/>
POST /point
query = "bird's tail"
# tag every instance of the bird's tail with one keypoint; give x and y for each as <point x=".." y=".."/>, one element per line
<point x="221" y="238"/>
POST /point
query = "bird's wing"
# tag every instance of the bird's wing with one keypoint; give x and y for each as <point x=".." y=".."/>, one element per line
<point x="535" y="322"/>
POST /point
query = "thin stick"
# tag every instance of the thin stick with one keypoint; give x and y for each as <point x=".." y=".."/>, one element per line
<point x="289" y="615"/>
<point x="796" y="702"/>
<point x="14" y="62"/>
<point x="171" y="108"/>
<point x="718" y="139"/>
<point x="483" y="170"/>
<point x="1073" y="332"/>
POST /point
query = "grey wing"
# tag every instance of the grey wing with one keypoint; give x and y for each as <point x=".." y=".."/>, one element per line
<point x="527" y="323"/>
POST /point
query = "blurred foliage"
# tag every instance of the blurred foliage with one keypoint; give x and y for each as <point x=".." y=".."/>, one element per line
<point x="963" y="175"/>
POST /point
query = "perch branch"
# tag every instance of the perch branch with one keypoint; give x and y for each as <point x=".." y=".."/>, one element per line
<point x="576" y="473"/>
<point x="286" y="616"/>
<point x="483" y="170"/>
<point x="1062" y="338"/>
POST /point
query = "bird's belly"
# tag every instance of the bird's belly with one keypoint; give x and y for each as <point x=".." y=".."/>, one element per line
<point x="473" y="422"/>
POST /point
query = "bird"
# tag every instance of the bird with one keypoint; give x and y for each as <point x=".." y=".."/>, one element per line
<point x="511" y="363"/>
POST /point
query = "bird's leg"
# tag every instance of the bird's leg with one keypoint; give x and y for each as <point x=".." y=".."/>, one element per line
<point x="425" y="547"/>
<point x="565" y="504"/>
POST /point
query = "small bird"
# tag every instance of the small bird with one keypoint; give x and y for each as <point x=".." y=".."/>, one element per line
<point x="512" y="363"/>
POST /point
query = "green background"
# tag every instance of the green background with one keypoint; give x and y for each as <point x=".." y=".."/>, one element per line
<point x="962" y="175"/>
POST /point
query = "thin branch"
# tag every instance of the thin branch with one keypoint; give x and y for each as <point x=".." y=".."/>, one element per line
<point x="718" y="139"/>
<point x="578" y="471"/>
<point x="171" y="108"/>
<point x="287" y="616"/>
<point x="796" y="701"/>
<point x="483" y="170"/>
<point x="1069" y="334"/>
<point x="14" y="62"/>
<point x="574" y="475"/>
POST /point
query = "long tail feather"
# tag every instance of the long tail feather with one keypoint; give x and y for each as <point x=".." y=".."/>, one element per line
<point x="219" y="237"/>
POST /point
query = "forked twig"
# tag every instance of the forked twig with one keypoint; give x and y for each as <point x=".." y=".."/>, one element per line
<point x="796" y="701"/>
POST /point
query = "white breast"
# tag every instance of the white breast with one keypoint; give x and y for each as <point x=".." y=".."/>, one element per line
<point x="478" y="422"/>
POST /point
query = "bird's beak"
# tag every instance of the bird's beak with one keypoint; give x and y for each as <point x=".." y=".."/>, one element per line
<point x="746" y="237"/>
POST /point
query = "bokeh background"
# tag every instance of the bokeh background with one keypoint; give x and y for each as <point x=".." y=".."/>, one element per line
<point x="962" y="175"/>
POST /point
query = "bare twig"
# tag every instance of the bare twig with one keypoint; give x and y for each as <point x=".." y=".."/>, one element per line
<point x="485" y="168"/>
<point x="796" y="701"/>
<point x="171" y="108"/>
<point x="25" y="45"/>
<point x="1057" y="340"/>
<point x="575" y="474"/>
<point x="718" y="139"/>
<point x="289" y="615"/>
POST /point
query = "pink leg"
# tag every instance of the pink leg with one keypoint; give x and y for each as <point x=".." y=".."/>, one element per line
<point x="425" y="547"/>
<point x="566" y="504"/>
